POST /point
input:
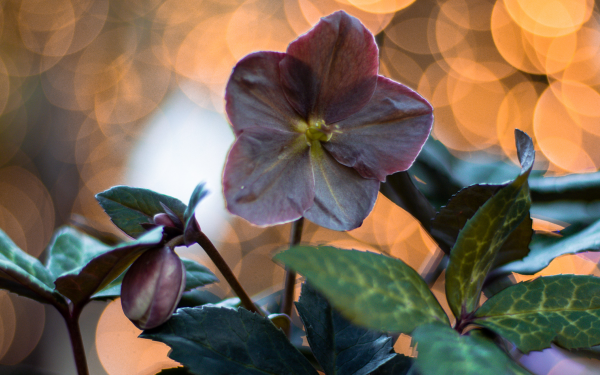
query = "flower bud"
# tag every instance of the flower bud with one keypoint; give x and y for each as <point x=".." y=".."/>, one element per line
<point x="152" y="287"/>
<point x="164" y="220"/>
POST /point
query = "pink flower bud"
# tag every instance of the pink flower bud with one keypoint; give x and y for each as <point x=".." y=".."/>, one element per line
<point x="152" y="287"/>
<point x="163" y="219"/>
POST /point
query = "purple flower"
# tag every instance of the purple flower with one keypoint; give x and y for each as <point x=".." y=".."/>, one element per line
<point x="152" y="287"/>
<point x="317" y="128"/>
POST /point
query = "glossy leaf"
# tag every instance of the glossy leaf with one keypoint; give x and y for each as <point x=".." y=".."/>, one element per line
<point x="70" y="249"/>
<point x="484" y="234"/>
<point x="129" y="207"/>
<point x="190" y="223"/>
<point x="197" y="276"/>
<point x="452" y="218"/>
<point x="80" y="284"/>
<point x="23" y="274"/>
<point x="442" y="351"/>
<point x="340" y="347"/>
<point x="564" y="309"/>
<point x="542" y="254"/>
<point x="372" y="290"/>
<point x="223" y="341"/>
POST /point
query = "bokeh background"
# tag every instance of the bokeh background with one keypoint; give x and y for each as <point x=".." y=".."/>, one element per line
<point x="95" y="93"/>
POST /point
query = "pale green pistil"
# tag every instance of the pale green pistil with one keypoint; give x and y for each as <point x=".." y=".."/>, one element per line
<point x="318" y="131"/>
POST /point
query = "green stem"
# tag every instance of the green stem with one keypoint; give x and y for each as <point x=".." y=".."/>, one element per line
<point x="222" y="266"/>
<point x="72" y="321"/>
<point x="290" y="276"/>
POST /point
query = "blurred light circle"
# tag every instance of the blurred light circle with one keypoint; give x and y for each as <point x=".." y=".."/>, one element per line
<point x="411" y="35"/>
<point x="8" y="323"/>
<point x="47" y="27"/>
<point x="516" y="112"/>
<point x="558" y="135"/>
<point x="380" y="6"/>
<point x="583" y="104"/>
<point x="120" y="350"/>
<point x="30" y="320"/>
<point x="550" y="18"/>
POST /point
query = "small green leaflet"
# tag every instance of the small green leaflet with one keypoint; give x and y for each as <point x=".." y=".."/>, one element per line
<point x="541" y="255"/>
<point x="212" y="340"/>
<point x="70" y="249"/>
<point x="129" y="207"/>
<point x="190" y="224"/>
<point x="23" y="274"/>
<point x="369" y="289"/>
<point x="340" y="347"/>
<point x="484" y="234"/>
<point x="81" y="283"/>
<point x="462" y="206"/>
<point x="564" y="309"/>
<point x="442" y="351"/>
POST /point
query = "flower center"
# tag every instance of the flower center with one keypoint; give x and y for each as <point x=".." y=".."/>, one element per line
<point x="318" y="131"/>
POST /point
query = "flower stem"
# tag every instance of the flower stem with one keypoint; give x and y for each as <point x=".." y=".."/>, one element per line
<point x="290" y="276"/>
<point x="218" y="260"/>
<point x="72" y="321"/>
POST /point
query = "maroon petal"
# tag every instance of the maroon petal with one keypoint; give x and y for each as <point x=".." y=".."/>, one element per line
<point x="268" y="177"/>
<point x="254" y="96"/>
<point x="386" y="135"/>
<point x="330" y="72"/>
<point x="343" y="199"/>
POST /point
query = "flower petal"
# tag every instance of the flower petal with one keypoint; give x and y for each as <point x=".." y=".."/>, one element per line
<point x="330" y="72"/>
<point x="254" y="96"/>
<point x="268" y="177"/>
<point x="386" y="135"/>
<point x="343" y="199"/>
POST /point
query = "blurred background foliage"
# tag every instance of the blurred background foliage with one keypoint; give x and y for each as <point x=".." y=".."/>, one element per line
<point x="95" y="93"/>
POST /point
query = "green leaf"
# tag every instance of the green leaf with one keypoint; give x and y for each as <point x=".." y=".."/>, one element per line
<point x="564" y="309"/>
<point x="70" y="249"/>
<point x="372" y="290"/>
<point x="452" y="218"/>
<point x="484" y="234"/>
<point x="222" y="341"/>
<point x="442" y="351"/>
<point x="23" y="274"/>
<point x="190" y="224"/>
<point x="339" y="346"/>
<point x="129" y="207"/>
<point x="80" y="284"/>
<point x="542" y="254"/>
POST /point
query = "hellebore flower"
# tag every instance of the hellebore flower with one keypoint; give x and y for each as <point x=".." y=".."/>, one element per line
<point x="317" y="128"/>
<point x="152" y="287"/>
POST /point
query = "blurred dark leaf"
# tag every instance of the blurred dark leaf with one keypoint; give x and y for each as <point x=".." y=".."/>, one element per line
<point x="372" y="290"/>
<point x="541" y="254"/>
<point x="563" y="309"/>
<point x="443" y="351"/>
<point x="23" y="274"/>
<point x="80" y="284"/>
<point x="340" y="347"/>
<point x="222" y="341"/>
<point x="485" y="233"/>
<point x="577" y="187"/>
<point x="175" y="371"/>
<point x="129" y="207"/>
<point x="197" y="297"/>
